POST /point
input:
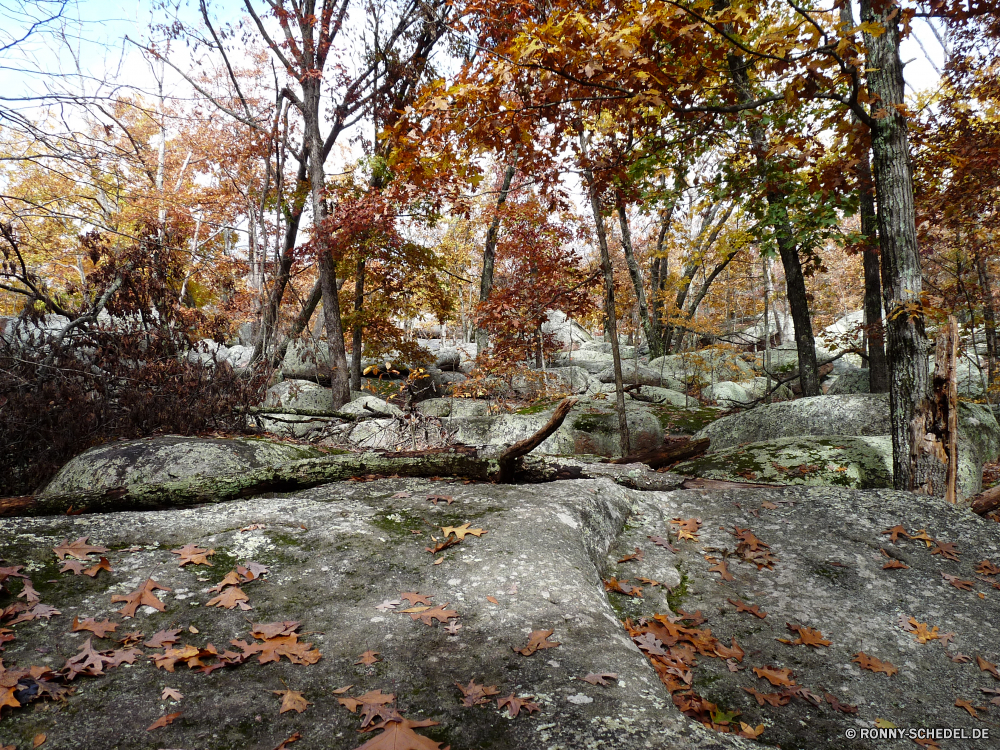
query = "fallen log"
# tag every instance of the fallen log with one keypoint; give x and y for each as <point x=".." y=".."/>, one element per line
<point x="657" y="458"/>
<point x="508" y="459"/>
<point x="987" y="501"/>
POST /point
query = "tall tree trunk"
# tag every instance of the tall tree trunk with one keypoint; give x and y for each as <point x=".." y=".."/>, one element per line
<point x="878" y="368"/>
<point x="610" y="324"/>
<point x="916" y="453"/>
<point x="648" y="330"/>
<point x="340" y="384"/>
<point x="489" y="253"/>
<point x="300" y="322"/>
<point x="795" y="285"/>
<point x="989" y="314"/>
<point x="359" y="304"/>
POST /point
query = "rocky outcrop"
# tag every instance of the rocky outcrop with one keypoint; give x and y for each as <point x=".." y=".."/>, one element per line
<point x="334" y="564"/>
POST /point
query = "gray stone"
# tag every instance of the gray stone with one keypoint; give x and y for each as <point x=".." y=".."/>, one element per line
<point x="297" y="426"/>
<point x="632" y="373"/>
<point x="566" y="332"/>
<point x="666" y="396"/>
<point x="453" y="407"/>
<point x="571" y="379"/>
<point x="449" y="359"/>
<point x="592" y="362"/>
<point x="384" y="434"/>
<point x="368" y="405"/>
<point x="168" y="458"/>
<point x="728" y="394"/>
<point x="299" y="394"/>
<point x="625" y="351"/>
<point x="854" y="380"/>
<point x="705" y="366"/>
<point x="306" y="359"/>
<point x="758" y="388"/>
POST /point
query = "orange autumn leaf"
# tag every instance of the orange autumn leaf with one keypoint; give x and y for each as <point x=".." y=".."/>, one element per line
<point x="163" y="721"/>
<point x="874" y="665"/>
<point x="292" y="700"/>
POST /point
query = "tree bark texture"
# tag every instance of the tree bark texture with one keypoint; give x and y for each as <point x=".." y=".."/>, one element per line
<point x="915" y="463"/>
<point x="648" y="330"/>
<point x="610" y="321"/>
<point x="944" y="426"/>
<point x="989" y="315"/>
<point x="359" y="305"/>
<point x="508" y="459"/>
<point x="489" y="253"/>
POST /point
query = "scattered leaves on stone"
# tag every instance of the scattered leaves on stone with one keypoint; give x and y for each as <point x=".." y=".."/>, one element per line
<point x="659" y="541"/>
<point x="947" y="550"/>
<point x="636" y="556"/>
<point x="687" y="528"/>
<point x="171" y="694"/>
<point x="622" y="587"/>
<point x="775" y="676"/>
<point x="439" y="613"/>
<point x="895" y="532"/>
<point x="446" y="499"/>
<point x="771" y="699"/>
<point x="985" y="666"/>
<point x="230" y="598"/>
<point x="368" y="658"/>
<point x="398" y="734"/>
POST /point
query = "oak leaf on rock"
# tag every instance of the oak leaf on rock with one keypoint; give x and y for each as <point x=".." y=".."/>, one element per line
<point x="142" y="596"/>
<point x="538" y="640"/>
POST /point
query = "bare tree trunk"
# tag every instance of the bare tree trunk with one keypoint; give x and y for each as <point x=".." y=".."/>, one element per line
<point x="611" y="324"/>
<point x="648" y="330"/>
<point x="946" y="407"/>
<point x="489" y="253"/>
<point x="989" y="315"/>
<point x="916" y="454"/>
<point x="359" y="304"/>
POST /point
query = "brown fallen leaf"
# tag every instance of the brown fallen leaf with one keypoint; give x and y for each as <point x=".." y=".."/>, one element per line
<point x="398" y="734"/>
<point x="371" y="698"/>
<point x="292" y="700"/>
<point x="492" y="600"/>
<point x="7" y="698"/>
<point x="687" y="528"/>
<point x="100" y="629"/>
<point x="771" y="699"/>
<point x="232" y="578"/>
<point x="163" y="721"/>
<point x="749" y="732"/>
<point x="744" y="607"/>
<point x="895" y="532"/>
<point x="447" y="499"/>
<point x="38" y="740"/>
<point x="947" y="550"/>
<point x="142" y="596"/>
<point x="162" y="638"/>
<point x="368" y="658"/>
<point x="438" y="613"/>
<point x="622" y="587"/>
<point x="76" y="567"/>
<point x="730" y="652"/>
<point x="874" y="665"/>
<point x="515" y="705"/>
<point x="232" y="597"/>
<point x="836" y="705"/>
<point x="722" y="569"/>
<point x="268" y="630"/>
<point x="474" y="694"/>
<point x="895" y="565"/>
<point x="285" y="743"/>
<point x="769" y="506"/>
<point x="957" y="582"/>
<point x="599" y="679"/>
<point x="193" y="554"/>
<point x="441" y="546"/>
<point x="775" y="676"/>
<point x="959" y="703"/>
<point x="170" y="694"/>
<point x="462" y="531"/>
<point x="414" y="598"/>
<point x="538" y="640"/>
<point x="958" y="657"/>
<point x="659" y="541"/>
<point x="986" y="666"/>
<point x="923" y="536"/>
<point x="922" y="633"/>
<point x="95" y="569"/>
<point x="636" y="556"/>
<point x="807" y="637"/>
<point x="78" y="549"/>
<point x="341" y="691"/>
<point x="986" y="568"/>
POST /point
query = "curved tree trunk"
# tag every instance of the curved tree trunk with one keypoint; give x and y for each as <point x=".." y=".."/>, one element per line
<point x="489" y="253"/>
<point x="648" y="330"/>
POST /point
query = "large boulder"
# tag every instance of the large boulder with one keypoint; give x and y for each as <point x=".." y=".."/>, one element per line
<point x="306" y="359"/>
<point x="705" y="366"/>
<point x="824" y="421"/>
<point x="592" y="362"/>
<point x="453" y="407"/>
<point x="367" y="406"/>
<point x="448" y="359"/>
<point x="633" y="373"/>
<point x="299" y="394"/>
<point x="566" y="332"/>
<point x="166" y="459"/>
<point x="854" y="380"/>
<point x="337" y="564"/>
<point x="663" y="396"/>
<point x="727" y="394"/>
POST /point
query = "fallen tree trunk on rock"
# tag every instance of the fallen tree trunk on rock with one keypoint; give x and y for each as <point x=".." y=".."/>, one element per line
<point x="986" y="502"/>
<point x="657" y="458"/>
<point x="508" y="459"/>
